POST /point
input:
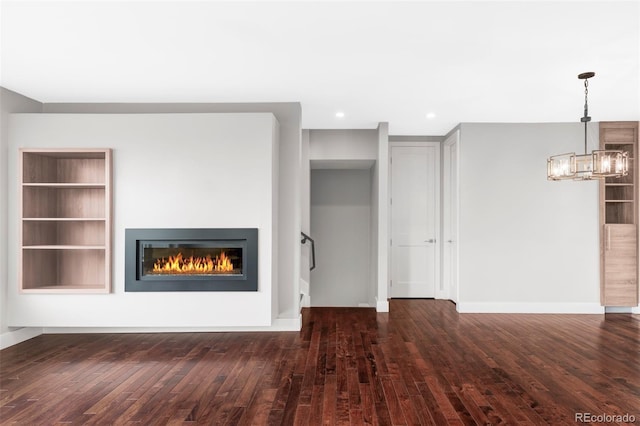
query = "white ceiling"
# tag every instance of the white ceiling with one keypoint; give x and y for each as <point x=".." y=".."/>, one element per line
<point x="375" y="61"/>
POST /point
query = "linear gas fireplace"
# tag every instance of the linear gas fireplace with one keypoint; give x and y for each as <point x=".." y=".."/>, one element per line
<point x="191" y="259"/>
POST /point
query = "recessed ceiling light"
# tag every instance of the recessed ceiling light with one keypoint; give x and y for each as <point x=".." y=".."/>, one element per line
<point x="340" y="114"/>
<point x="431" y="115"/>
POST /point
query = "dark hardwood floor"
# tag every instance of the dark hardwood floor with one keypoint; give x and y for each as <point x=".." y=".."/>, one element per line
<point x="420" y="364"/>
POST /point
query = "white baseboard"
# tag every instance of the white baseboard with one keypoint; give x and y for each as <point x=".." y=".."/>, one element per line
<point x="382" y="305"/>
<point x="305" y="294"/>
<point x="19" y="335"/>
<point x="622" y="309"/>
<point x="286" y="324"/>
<point x="278" y="324"/>
<point x="618" y="310"/>
<point x="305" y="301"/>
<point x="529" y="308"/>
<point x="304" y="287"/>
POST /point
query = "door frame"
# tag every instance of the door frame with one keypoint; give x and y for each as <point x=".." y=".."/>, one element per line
<point x="439" y="294"/>
<point x="453" y="292"/>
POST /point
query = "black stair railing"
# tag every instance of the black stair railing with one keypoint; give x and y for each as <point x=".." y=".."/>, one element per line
<point x="306" y="238"/>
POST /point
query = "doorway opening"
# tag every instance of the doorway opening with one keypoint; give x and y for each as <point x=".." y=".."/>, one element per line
<point x="341" y="223"/>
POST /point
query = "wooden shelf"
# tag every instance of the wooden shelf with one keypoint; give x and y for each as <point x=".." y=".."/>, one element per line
<point x="618" y="201"/>
<point x="64" y="185"/>
<point x="59" y="247"/>
<point x="64" y="201"/>
<point x="86" y="288"/>
<point x="65" y="221"/>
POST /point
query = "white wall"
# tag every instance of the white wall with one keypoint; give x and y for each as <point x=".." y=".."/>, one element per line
<point x="382" y="213"/>
<point x="9" y="102"/>
<point x="305" y="215"/>
<point x="275" y="218"/>
<point x="222" y="167"/>
<point x="373" y="232"/>
<point x="289" y="222"/>
<point x="526" y="244"/>
<point x="340" y="224"/>
<point x="325" y="146"/>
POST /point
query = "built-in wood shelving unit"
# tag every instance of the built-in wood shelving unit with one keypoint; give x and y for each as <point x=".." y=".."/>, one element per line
<point x="619" y="220"/>
<point x="65" y="224"/>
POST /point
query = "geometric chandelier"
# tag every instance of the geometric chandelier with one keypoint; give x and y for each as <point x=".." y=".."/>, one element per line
<point x="597" y="165"/>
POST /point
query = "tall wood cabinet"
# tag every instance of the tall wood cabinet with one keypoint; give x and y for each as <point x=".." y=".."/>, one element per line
<point x="619" y="220"/>
<point x="65" y="243"/>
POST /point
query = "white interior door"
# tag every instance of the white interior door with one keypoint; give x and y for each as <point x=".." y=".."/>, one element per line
<point x="414" y="219"/>
<point x="450" y="220"/>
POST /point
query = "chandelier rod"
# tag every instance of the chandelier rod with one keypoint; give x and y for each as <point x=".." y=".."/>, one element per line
<point x="585" y="119"/>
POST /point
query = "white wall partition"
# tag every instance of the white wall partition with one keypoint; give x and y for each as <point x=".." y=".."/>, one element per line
<point x="373" y="248"/>
<point x="326" y="146"/>
<point x="285" y="307"/>
<point x="450" y="215"/>
<point x="382" y="214"/>
<point x="305" y="219"/>
<point x="170" y="170"/>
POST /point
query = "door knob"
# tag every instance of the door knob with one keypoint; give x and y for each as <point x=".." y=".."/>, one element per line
<point x="430" y="241"/>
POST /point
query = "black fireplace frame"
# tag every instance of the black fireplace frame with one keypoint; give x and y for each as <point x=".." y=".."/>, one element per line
<point x="135" y="281"/>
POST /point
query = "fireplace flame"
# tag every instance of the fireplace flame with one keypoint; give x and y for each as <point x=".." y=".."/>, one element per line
<point x="193" y="265"/>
